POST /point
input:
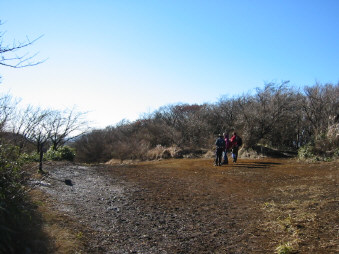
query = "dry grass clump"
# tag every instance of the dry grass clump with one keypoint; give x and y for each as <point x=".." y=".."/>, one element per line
<point x="294" y="220"/>
<point x="162" y="152"/>
<point x="119" y="162"/>
<point x="209" y="154"/>
<point x="285" y="248"/>
<point x="249" y="153"/>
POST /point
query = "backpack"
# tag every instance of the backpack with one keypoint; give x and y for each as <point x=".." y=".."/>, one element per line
<point x="220" y="143"/>
<point x="239" y="141"/>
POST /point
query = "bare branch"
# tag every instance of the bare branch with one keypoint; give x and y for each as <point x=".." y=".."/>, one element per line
<point x="12" y="55"/>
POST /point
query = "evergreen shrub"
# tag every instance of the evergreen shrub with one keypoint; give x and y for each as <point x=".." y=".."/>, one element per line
<point x="63" y="153"/>
<point x="12" y="198"/>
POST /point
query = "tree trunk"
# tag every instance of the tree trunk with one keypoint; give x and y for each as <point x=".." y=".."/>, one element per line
<point x="41" y="157"/>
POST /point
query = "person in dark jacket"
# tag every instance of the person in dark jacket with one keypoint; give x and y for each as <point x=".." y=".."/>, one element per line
<point x="220" y="147"/>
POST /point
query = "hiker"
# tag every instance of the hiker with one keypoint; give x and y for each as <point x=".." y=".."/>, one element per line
<point x="227" y="146"/>
<point x="235" y="143"/>
<point x="220" y="147"/>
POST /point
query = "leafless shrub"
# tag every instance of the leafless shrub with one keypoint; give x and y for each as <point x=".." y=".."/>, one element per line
<point x="319" y="104"/>
<point x="66" y="125"/>
<point x="93" y="147"/>
<point x="276" y="117"/>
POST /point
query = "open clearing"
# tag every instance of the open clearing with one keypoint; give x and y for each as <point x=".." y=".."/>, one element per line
<point x="190" y="206"/>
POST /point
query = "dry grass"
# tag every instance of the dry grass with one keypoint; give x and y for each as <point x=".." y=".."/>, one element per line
<point x="299" y="214"/>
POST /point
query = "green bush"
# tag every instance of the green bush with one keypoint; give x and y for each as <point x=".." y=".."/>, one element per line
<point x="306" y="152"/>
<point x="29" y="157"/>
<point x="319" y="151"/>
<point x="12" y="198"/>
<point x="336" y="153"/>
<point x="63" y="153"/>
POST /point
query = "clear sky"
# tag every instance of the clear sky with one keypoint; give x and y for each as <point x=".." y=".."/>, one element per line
<point x="119" y="59"/>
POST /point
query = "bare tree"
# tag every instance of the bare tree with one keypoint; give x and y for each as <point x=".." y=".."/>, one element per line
<point x="7" y="107"/>
<point x="320" y="103"/>
<point x="30" y="125"/>
<point x="187" y="123"/>
<point x="40" y="134"/>
<point x="23" y="125"/>
<point x="224" y="115"/>
<point x="65" y="126"/>
<point x="266" y="113"/>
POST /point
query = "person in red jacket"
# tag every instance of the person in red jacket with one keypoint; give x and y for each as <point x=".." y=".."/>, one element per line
<point x="227" y="146"/>
<point x="235" y="147"/>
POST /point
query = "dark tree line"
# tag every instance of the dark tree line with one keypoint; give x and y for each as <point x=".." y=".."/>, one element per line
<point x="276" y="116"/>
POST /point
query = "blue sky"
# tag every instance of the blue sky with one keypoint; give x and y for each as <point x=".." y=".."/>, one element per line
<point x="122" y="59"/>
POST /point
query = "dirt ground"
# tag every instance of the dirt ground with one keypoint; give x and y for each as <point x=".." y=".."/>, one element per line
<point x="190" y="206"/>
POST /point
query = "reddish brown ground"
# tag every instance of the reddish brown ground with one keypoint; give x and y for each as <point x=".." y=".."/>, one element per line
<point x="190" y="206"/>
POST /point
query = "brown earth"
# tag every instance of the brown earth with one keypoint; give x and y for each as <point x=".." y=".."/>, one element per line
<point x="190" y="206"/>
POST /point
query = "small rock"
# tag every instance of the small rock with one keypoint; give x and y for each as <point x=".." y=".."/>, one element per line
<point x="68" y="182"/>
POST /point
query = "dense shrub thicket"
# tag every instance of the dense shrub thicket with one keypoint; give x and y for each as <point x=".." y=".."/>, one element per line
<point x="20" y="222"/>
<point x="12" y="199"/>
<point x="275" y="116"/>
